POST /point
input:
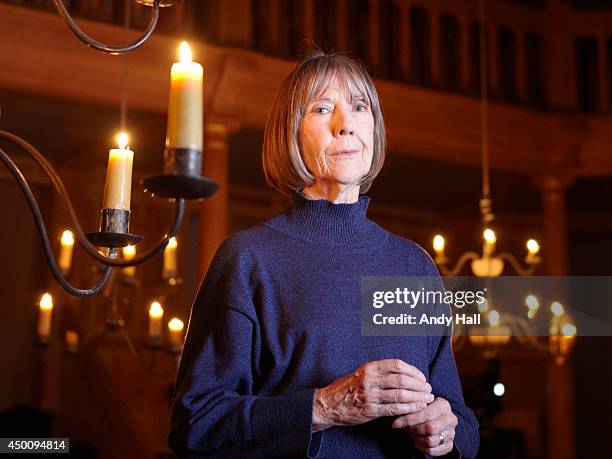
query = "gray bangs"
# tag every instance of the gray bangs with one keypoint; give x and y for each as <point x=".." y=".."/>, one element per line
<point x="317" y="76"/>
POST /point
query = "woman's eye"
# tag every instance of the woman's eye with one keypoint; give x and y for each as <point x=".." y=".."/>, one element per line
<point x="321" y="110"/>
<point x="362" y="108"/>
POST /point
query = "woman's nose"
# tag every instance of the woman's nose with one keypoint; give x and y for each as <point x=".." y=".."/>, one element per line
<point x="343" y="125"/>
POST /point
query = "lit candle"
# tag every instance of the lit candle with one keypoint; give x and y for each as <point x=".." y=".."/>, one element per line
<point x="175" y="328"/>
<point x="170" y="259"/>
<point x="438" y="244"/>
<point x="185" y="109"/>
<point x="129" y="252"/>
<point x="72" y="341"/>
<point x="156" y="312"/>
<point x="65" y="258"/>
<point x="489" y="241"/>
<point x="45" y="310"/>
<point x="118" y="186"/>
<point x="532" y="251"/>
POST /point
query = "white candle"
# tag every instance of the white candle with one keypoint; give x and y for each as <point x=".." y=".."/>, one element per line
<point x="67" y="246"/>
<point x="170" y="263"/>
<point x="118" y="186"/>
<point x="156" y="313"/>
<point x="185" y="109"/>
<point x="175" y="329"/>
<point x="45" y="311"/>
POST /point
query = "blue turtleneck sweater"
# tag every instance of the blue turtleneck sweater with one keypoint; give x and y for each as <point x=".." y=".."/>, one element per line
<point x="277" y="316"/>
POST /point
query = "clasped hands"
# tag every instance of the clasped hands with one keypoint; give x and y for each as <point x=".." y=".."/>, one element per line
<point x="389" y="387"/>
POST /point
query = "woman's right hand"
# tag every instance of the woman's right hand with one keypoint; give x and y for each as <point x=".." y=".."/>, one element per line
<point x="389" y="387"/>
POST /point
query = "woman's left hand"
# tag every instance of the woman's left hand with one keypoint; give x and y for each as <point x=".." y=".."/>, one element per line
<point x="432" y="429"/>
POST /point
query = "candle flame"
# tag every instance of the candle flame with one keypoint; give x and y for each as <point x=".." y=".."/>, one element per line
<point x="185" y="52"/>
<point x="175" y="325"/>
<point x="67" y="238"/>
<point x="129" y="251"/>
<point x="438" y="243"/>
<point x="172" y="243"/>
<point x="156" y="310"/>
<point x="489" y="236"/>
<point x="532" y="246"/>
<point x="46" y="302"/>
<point x="568" y="330"/>
<point x="493" y="318"/>
<point x="532" y="302"/>
<point x="122" y="140"/>
<point x="557" y="309"/>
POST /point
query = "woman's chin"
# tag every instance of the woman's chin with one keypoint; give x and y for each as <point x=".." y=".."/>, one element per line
<point x="347" y="178"/>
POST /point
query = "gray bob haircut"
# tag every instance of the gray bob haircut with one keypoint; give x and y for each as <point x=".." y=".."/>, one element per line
<point x="283" y="165"/>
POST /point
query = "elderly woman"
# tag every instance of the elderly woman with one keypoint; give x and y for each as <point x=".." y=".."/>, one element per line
<point x="274" y="363"/>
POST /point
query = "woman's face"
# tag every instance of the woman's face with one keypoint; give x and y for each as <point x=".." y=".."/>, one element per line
<point x="336" y="136"/>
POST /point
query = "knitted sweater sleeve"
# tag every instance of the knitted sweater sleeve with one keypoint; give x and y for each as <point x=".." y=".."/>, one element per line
<point x="445" y="383"/>
<point x="216" y="411"/>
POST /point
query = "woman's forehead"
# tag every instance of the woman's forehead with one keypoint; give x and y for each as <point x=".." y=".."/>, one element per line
<point x="338" y="84"/>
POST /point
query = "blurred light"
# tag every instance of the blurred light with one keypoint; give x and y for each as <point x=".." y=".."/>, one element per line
<point x="568" y="330"/>
<point x="156" y="310"/>
<point x="532" y="246"/>
<point x="175" y="324"/>
<point x="122" y="140"/>
<point x="67" y="238"/>
<point x="46" y="301"/>
<point x="493" y="318"/>
<point x="484" y="306"/>
<point x="438" y="243"/>
<point x="499" y="389"/>
<point x="557" y="309"/>
<point x="532" y="302"/>
<point x="129" y="251"/>
<point x="489" y="236"/>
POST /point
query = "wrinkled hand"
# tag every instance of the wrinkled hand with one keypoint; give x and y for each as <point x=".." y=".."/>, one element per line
<point x="389" y="387"/>
<point x="426" y="426"/>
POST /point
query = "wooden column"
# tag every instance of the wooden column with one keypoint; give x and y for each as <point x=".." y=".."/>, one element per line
<point x="309" y="20"/>
<point x="341" y="24"/>
<point x="521" y="66"/>
<point x="214" y="210"/>
<point x="554" y="222"/>
<point x="405" y="40"/>
<point x="464" y="43"/>
<point x="374" y="34"/>
<point x="602" y="74"/>
<point x="274" y="27"/>
<point x="435" y="47"/>
<point x="492" y="59"/>
<point x="564" y="157"/>
<point x="560" y="389"/>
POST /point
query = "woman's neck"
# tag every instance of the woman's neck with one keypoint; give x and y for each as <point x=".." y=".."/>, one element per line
<point x="333" y="192"/>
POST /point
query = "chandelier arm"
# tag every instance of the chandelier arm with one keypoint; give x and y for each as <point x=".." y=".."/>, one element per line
<point x="120" y="49"/>
<point x="516" y="265"/>
<point x="89" y="248"/>
<point x="42" y="230"/>
<point x="463" y="259"/>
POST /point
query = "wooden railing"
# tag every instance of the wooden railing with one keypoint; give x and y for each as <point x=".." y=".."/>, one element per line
<point x="543" y="55"/>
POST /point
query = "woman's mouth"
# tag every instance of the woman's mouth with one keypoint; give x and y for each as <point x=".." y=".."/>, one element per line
<point x="345" y="152"/>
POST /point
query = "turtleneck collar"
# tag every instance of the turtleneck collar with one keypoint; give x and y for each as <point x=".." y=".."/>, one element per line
<point x="324" y="222"/>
